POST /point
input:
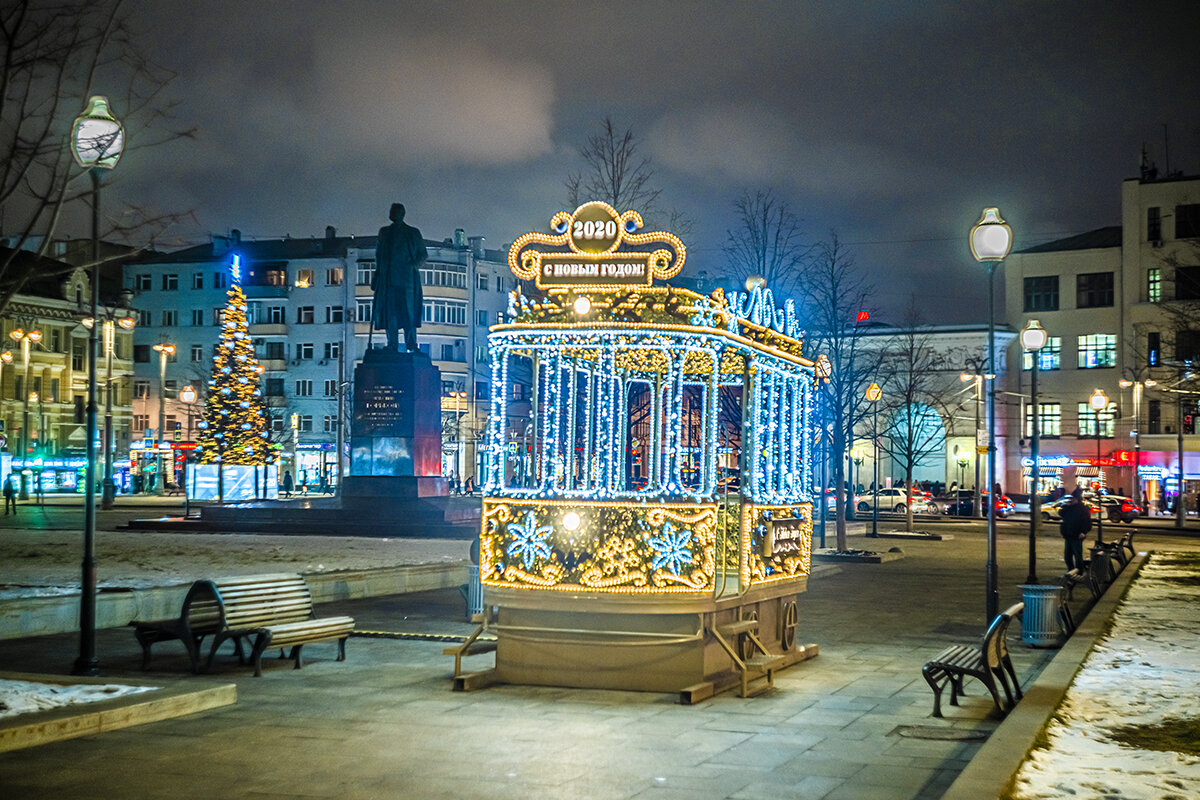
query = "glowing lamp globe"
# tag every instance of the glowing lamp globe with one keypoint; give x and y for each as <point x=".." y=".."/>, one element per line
<point x="582" y="305"/>
<point x="874" y="392"/>
<point x="571" y="521"/>
<point x="1033" y="336"/>
<point x="97" y="138"/>
<point x="991" y="238"/>
<point x="187" y="395"/>
<point x="1098" y="401"/>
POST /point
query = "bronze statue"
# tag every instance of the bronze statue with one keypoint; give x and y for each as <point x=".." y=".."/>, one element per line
<point x="399" y="254"/>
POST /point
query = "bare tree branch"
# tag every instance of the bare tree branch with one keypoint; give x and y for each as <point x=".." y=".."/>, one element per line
<point x="767" y="242"/>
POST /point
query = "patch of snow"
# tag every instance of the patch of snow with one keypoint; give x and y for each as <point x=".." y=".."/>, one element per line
<point x="1145" y="671"/>
<point x="26" y="697"/>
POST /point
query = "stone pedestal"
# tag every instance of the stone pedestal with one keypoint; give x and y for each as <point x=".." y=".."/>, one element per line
<point x="396" y="433"/>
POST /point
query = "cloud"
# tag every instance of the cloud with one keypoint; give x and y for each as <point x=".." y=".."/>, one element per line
<point x="760" y="146"/>
<point x="432" y="99"/>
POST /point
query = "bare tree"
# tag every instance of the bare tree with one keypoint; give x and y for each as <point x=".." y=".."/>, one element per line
<point x="615" y="171"/>
<point x="767" y="242"/>
<point x="916" y="394"/>
<point x="835" y="291"/>
<point x="53" y="55"/>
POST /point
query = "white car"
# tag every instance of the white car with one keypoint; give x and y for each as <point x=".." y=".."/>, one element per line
<point x="888" y="499"/>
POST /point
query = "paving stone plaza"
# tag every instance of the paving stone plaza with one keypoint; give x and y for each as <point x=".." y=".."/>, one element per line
<point x="853" y="723"/>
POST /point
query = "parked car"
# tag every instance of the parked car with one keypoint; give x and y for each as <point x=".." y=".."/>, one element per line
<point x="896" y="500"/>
<point x="962" y="504"/>
<point x="1051" y="511"/>
<point x="1120" y="509"/>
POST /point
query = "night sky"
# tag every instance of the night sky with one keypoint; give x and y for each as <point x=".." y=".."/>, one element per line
<point x="891" y="123"/>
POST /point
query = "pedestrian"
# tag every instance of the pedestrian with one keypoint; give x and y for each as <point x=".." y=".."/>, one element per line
<point x="10" y="496"/>
<point x="1076" y="522"/>
<point x="288" y="485"/>
<point x="323" y="486"/>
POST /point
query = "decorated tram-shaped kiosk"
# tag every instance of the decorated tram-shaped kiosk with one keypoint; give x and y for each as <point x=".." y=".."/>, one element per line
<point x="650" y="526"/>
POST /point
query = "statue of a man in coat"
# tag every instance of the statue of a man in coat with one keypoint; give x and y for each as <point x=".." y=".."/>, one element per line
<point x="399" y="254"/>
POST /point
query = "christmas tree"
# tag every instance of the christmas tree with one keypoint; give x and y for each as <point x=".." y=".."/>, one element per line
<point x="234" y="428"/>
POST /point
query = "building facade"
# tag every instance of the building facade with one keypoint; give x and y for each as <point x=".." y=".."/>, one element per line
<point x="44" y="380"/>
<point x="309" y="304"/>
<point x="1121" y="305"/>
<point x="952" y="447"/>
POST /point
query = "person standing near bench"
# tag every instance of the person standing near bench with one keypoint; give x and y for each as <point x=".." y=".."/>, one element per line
<point x="10" y="496"/>
<point x="1076" y="522"/>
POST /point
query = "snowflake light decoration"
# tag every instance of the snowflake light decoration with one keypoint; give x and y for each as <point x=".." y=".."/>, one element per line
<point x="673" y="549"/>
<point x="528" y="541"/>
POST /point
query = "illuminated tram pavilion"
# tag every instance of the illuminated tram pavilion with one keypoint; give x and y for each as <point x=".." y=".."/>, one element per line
<point x="652" y="527"/>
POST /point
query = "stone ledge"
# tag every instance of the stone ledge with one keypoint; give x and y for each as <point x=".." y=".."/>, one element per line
<point x="170" y="699"/>
<point x="829" y="556"/>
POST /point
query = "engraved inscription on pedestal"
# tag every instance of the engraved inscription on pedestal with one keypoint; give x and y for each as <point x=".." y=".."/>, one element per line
<point x="380" y="411"/>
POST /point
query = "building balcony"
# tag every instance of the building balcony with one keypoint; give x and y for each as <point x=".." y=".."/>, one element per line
<point x="258" y="291"/>
<point x="273" y="364"/>
<point x="268" y="329"/>
<point x="276" y="401"/>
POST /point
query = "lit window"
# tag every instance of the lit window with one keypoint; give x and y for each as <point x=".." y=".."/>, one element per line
<point x="1154" y="284"/>
<point x="1049" y="420"/>
<point x="1089" y="418"/>
<point x="1097" y="350"/>
<point x="1049" y="357"/>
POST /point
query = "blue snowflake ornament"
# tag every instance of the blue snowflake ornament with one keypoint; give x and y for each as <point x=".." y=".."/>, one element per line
<point x="672" y="548"/>
<point x="528" y="541"/>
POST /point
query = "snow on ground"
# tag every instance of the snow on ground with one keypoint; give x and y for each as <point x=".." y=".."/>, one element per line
<point x="1145" y="671"/>
<point x="34" y="563"/>
<point x="23" y="697"/>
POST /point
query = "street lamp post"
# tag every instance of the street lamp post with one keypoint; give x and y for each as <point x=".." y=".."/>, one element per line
<point x="97" y="140"/>
<point x="874" y="393"/>
<point x="108" y="495"/>
<point x="1098" y="401"/>
<point x="1033" y="338"/>
<point x="976" y="381"/>
<point x="991" y="240"/>
<point x="1138" y="388"/>
<point x="27" y="339"/>
<point x="163" y="350"/>
<point x="187" y="396"/>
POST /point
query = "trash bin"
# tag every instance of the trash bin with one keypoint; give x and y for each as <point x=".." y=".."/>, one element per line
<point x="474" y="591"/>
<point x="1101" y="566"/>
<point x="1040" y="625"/>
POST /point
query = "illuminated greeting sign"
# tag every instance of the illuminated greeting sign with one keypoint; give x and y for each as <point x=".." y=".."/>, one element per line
<point x="596" y="247"/>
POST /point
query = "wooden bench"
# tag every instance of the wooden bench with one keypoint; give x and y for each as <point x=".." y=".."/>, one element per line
<point x="269" y="610"/>
<point x="200" y="617"/>
<point x="988" y="661"/>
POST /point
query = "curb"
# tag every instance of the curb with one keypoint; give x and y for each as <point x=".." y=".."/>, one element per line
<point x="991" y="771"/>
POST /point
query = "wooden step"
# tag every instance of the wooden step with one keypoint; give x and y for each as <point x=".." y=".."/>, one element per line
<point x="476" y="648"/>
<point x="740" y="626"/>
<point x="765" y="661"/>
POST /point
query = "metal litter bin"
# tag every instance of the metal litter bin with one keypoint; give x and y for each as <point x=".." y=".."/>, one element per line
<point x="474" y="591"/>
<point x="1040" y="626"/>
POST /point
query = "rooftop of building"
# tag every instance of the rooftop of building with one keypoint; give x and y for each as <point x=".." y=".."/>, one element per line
<point x="1109" y="236"/>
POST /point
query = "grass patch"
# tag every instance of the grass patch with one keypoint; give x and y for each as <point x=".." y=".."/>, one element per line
<point x="1172" y="735"/>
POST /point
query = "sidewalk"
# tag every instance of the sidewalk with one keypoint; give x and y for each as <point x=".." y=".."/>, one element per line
<point x="853" y="723"/>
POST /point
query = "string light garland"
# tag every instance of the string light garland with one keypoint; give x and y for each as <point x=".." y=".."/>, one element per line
<point x="565" y="512"/>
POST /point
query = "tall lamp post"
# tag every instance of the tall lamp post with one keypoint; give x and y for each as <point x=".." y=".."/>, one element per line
<point x="976" y="381"/>
<point x="164" y="351"/>
<point x="1138" y="388"/>
<point x="108" y="495"/>
<point x="874" y="393"/>
<point x="5" y="358"/>
<point x="97" y="141"/>
<point x="1098" y="401"/>
<point x="823" y="371"/>
<point x="1033" y="339"/>
<point x="27" y="339"/>
<point x="991" y="240"/>
<point x="187" y="396"/>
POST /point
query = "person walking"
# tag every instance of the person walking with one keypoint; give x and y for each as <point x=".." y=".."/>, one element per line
<point x="287" y="483"/>
<point x="10" y="496"/>
<point x="1076" y="522"/>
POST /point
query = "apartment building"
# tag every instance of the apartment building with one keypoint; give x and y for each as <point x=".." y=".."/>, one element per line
<point x="1121" y="305"/>
<point x="309" y="306"/>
